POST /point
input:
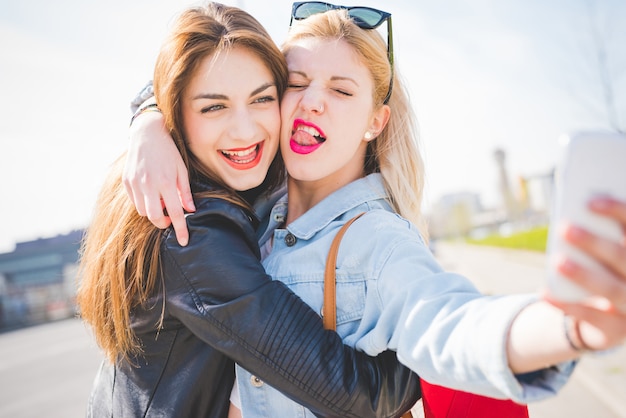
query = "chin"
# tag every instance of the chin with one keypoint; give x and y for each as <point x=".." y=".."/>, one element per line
<point x="301" y="173"/>
<point x="247" y="182"/>
<point x="244" y="186"/>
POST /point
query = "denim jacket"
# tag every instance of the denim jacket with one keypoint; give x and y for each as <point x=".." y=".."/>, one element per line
<point x="392" y="294"/>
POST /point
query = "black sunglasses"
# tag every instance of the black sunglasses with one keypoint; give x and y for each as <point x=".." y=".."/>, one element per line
<point x="363" y="17"/>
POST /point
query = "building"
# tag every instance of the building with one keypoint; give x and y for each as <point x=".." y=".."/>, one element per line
<point x="454" y="214"/>
<point x="38" y="280"/>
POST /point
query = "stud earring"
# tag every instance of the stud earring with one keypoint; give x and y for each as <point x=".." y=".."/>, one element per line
<point x="368" y="135"/>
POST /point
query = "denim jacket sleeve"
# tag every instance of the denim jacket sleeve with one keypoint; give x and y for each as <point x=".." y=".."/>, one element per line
<point x="418" y="309"/>
<point x="146" y="92"/>
<point x="218" y="289"/>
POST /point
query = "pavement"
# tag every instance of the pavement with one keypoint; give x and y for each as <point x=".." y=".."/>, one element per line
<point x="47" y="370"/>
<point x="598" y="386"/>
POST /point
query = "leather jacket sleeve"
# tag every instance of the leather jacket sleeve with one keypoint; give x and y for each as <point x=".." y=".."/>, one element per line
<point x="217" y="287"/>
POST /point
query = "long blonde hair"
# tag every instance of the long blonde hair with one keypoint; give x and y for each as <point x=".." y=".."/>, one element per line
<point x="120" y="262"/>
<point x="395" y="152"/>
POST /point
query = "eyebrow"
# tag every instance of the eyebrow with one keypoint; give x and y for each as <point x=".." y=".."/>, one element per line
<point x="333" y="78"/>
<point x="215" y="96"/>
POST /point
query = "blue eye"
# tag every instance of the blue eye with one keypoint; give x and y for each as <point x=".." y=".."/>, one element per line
<point x="212" y="108"/>
<point x="265" y="99"/>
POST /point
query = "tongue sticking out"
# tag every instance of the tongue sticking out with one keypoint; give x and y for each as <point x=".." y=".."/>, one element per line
<point x="306" y="139"/>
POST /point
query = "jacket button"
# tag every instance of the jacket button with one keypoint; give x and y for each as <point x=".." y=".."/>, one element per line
<point x="290" y="240"/>
<point x="256" y="382"/>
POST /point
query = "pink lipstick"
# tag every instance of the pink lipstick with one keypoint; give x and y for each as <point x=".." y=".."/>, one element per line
<point x="306" y="137"/>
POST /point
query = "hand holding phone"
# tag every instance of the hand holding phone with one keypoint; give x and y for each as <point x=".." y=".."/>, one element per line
<point x="592" y="164"/>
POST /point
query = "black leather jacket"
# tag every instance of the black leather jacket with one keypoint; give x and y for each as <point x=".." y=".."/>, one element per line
<point x="221" y="307"/>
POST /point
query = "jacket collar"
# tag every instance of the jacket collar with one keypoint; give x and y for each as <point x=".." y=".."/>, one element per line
<point x="342" y="201"/>
<point x="203" y="185"/>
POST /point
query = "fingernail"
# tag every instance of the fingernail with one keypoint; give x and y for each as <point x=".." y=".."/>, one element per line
<point x="568" y="266"/>
<point x="575" y="233"/>
<point x="600" y="204"/>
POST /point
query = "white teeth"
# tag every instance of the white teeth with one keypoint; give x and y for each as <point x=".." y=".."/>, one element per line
<point x="309" y="130"/>
<point x="242" y="156"/>
<point x="242" y="153"/>
<point x="244" y="161"/>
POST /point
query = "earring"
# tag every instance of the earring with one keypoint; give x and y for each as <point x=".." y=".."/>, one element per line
<point x="368" y="135"/>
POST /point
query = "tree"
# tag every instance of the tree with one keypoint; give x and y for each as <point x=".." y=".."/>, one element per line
<point x="605" y="67"/>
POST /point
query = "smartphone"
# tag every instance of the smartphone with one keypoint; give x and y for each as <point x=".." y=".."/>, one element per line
<point x="591" y="164"/>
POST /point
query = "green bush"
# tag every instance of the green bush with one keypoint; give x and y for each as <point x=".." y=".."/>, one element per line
<point x="533" y="239"/>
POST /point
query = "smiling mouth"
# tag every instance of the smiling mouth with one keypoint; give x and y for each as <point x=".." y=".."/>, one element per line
<point x="243" y="158"/>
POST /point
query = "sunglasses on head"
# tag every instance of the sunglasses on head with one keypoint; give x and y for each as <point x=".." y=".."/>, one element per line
<point x="364" y="17"/>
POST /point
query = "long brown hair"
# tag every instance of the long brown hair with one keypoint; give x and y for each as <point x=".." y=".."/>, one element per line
<point x="120" y="263"/>
<point x="200" y="32"/>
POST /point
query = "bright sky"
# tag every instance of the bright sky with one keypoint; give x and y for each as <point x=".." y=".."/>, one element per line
<point x="483" y="74"/>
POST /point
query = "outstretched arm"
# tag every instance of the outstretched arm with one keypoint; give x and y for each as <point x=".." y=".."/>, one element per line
<point x="491" y="344"/>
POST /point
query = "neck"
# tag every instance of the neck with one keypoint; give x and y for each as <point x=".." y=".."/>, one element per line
<point x="251" y="195"/>
<point x="303" y="195"/>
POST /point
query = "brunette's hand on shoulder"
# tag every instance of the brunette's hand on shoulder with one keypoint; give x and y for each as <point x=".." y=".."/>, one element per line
<point x="155" y="176"/>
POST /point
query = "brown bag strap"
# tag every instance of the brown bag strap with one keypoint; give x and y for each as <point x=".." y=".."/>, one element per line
<point x="329" y="308"/>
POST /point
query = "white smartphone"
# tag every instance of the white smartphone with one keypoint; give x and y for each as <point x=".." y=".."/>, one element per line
<point x="591" y="164"/>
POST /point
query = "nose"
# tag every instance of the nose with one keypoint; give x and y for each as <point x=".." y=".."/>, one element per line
<point x="313" y="101"/>
<point x="243" y="125"/>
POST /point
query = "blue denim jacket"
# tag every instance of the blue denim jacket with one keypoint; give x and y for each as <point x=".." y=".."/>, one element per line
<point x="392" y="294"/>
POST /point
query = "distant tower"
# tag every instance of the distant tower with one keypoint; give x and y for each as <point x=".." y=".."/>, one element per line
<point x="508" y="201"/>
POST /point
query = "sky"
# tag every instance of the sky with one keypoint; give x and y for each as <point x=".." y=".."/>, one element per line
<point x="482" y="75"/>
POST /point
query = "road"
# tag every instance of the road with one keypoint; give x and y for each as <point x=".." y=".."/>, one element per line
<point x="47" y="370"/>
